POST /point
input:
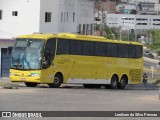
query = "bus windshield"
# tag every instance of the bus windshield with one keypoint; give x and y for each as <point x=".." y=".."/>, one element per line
<point x="27" y="54"/>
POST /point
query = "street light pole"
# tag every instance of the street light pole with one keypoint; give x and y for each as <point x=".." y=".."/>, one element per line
<point x="122" y="28"/>
<point x="135" y="31"/>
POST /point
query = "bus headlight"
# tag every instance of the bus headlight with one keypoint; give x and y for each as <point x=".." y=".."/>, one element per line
<point x="35" y="74"/>
<point x="11" y="73"/>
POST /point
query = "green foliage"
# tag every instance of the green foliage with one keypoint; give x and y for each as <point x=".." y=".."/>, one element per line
<point x="158" y="52"/>
<point x="97" y="26"/>
<point x="109" y="33"/>
<point x="114" y="33"/>
<point x="155" y="35"/>
<point x="155" y="46"/>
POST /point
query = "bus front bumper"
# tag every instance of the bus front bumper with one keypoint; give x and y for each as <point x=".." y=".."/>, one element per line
<point x="25" y="76"/>
<point x="24" y="79"/>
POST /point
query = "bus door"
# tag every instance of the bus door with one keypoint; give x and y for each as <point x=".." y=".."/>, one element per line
<point x="48" y="57"/>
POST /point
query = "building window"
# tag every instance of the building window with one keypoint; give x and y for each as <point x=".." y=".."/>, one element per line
<point x="61" y="17"/>
<point x="67" y="16"/>
<point x="64" y="16"/>
<point x="0" y="14"/>
<point x="48" y="16"/>
<point x="74" y="16"/>
<point x="14" y="13"/>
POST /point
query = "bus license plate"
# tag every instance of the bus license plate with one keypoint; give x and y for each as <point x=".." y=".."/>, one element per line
<point x="23" y="79"/>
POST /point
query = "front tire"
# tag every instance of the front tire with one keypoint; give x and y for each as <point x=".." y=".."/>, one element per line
<point x="28" y="84"/>
<point x="57" y="81"/>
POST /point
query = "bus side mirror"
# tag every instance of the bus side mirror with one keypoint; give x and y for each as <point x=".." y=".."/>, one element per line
<point x="9" y="50"/>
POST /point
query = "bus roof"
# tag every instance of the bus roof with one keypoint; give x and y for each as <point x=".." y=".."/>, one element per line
<point x="76" y="37"/>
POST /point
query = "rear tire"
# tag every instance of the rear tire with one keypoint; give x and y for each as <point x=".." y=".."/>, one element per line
<point x="114" y="82"/>
<point x="57" y="81"/>
<point x="122" y="83"/>
<point x="28" y="84"/>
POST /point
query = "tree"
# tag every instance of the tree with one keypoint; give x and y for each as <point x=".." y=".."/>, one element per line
<point x="154" y="35"/>
<point x="109" y="33"/>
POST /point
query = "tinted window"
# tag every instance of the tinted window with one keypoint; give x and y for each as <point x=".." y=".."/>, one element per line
<point x="75" y="47"/>
<point x="111" y="50"/>
<point x="50" y="46"/>
<point x="132" y="51"/>
<point x="100" y="49"/>
<point x="139" y="51"/>
<point x="63" y="46"/>
<point x="88" y="48"/>
<point x="122" y="50"/>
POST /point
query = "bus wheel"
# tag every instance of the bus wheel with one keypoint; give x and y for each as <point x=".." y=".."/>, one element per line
<point x="122" y="83"/>
<point x="57" y="81"/>
<point x="114" y="82"/>
<point x="28" y="84"/>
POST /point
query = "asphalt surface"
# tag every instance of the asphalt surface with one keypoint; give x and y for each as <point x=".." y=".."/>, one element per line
<point x="76" y="98"/>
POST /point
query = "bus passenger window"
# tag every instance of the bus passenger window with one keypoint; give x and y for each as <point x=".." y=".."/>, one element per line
<point x="122" y="50"/>
<point x="63" y="47"/>
<point x="100" y="49"/>
<point x="139" y="51"/>
<point x="111" y="50"/>
<point x="132" y="51"/>
<point x="88" y="48"/>
<point x="75" y="47"/>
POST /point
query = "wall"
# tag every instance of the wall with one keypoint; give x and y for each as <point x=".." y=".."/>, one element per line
<point x="26" y="22"/>
<point x="49" y="6"/>
<point x="4" y="45"/>
<point x="115" y="20"/>
<point x="134" y="1"/>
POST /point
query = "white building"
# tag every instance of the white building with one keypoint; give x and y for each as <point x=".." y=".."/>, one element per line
<point x="125" y="6"/>
<point x="157" y="8"/>
<point x="136" y="1"/>
<point x="46" y="16"/>
<point x="19" y="17"/>
<point x="136" y="22"/>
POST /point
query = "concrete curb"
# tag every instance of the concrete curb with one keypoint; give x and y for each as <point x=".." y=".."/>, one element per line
<point x="6" y="84"/>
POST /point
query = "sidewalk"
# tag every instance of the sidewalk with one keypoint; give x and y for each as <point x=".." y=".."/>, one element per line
<point x="6" y="83"/>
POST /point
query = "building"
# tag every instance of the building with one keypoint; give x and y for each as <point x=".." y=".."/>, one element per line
<point x="133" y="22"/>
<point x="126" y="8"/>
<point x="44" y="16"/>
<point x="19" y="17"/>
<point x="4" y="57"/>
<point x="136" y="1"/>
<point x="147" y="8"/>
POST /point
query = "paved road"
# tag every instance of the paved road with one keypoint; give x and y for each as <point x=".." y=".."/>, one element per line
<point x="76" y="98"/>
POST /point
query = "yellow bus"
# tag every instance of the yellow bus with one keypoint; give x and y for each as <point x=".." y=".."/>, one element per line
<point x="93" y="61"/>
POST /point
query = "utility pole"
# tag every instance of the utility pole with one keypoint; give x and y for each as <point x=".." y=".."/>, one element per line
<point x="101" y="26"/>
<point x="103" y="18"/>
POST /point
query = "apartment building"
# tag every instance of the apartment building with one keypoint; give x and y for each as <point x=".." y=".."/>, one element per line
<point x="19" y="17"/>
